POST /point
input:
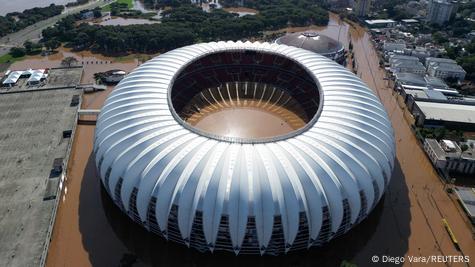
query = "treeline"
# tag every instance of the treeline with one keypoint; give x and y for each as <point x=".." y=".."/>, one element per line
<point x="183" y="25"/>
<point x="16" y="21"/>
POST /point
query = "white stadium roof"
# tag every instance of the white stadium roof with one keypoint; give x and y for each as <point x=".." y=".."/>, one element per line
<point x="342" y="161"/>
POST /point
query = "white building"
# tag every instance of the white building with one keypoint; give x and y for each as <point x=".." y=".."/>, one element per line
<point x="380" y="23"/>
<point x="258" y="196"/>
<point x="12" y="78"/>
<point x="440" y="11"/>
<point x="448" y="156"/>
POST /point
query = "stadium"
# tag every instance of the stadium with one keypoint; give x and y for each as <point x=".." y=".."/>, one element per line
<point x="250" y="148"/>
<point x="317" y="43"/>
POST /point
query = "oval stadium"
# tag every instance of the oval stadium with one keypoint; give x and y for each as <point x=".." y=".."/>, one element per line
<point x="250" y="148"/>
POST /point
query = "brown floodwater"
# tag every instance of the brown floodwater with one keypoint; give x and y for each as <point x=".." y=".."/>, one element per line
<point x="91" y="231"/>
<point x="246" y="118"/>
<point x="91" y="62"/>
<point x="245" y="122"/>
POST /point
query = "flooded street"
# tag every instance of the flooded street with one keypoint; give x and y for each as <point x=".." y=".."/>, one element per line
<point x="429" y="201"/>
<point x="91" y="231"/>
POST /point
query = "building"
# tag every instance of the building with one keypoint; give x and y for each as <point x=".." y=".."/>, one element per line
<point x="450" y="115"/>
<point x="380" y="23"/>
<point x="447" y="156"/>
<point x="410" y="22"/>
<point x="11" y="78"/>
<point x="466" y="197"/>
<point x="245" y="194"/>
<point x="317" y="43"/>
<point x="440" y="11"/>
<point x="394" y="47"/>
<point x="444" y="68"/>
<point x="421" y="53"/>
<point x="34" y="77"/>
<point x="406" y="64"/>
<point x="113" y="76"/>
<point x="362" y="7"/>
<point x="418" y="82"/>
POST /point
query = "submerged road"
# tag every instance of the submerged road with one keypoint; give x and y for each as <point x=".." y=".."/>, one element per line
<point x="91" y="231"/>
<point x="429" y="201"/>
<point x="33" y="32"/>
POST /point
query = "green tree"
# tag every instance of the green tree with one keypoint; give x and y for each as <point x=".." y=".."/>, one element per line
<point x="69" y="62"/>
<point x="52" y="44"/>
<point x="17" y="51"/>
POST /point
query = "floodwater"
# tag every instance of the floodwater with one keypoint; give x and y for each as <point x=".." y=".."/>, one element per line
<point x="91" y="231"/>
<point x="8" y="6"/>
<point x="92" y="63"/>
<point x="245" y="122"/>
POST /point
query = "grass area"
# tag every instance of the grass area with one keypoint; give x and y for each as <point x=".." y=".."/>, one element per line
<point x="10" y="59"/>
<point x="129" y="3"/>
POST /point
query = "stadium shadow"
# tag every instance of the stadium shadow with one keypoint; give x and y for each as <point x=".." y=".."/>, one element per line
<point x="112" y="239"/>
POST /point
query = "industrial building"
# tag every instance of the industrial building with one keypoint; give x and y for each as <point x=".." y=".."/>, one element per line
<point x="456" y="116"/>
<point x="417" y="82"/>
<point x="380" y="23"/>
<point x="246" y="194"/>
<point x="317" y="43"/>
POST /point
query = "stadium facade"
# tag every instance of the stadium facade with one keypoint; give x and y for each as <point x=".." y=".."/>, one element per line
<point x="245" y="195"/>
<point x="315" y="42"/>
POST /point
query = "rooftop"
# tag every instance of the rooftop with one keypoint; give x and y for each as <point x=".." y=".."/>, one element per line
<point x="447" y="112"/>
<point x="450" y="67"/>
<point x="379" y="21"/>
<point x="312" y="41"/>
<point x="31" y="139"/>
<point x="410" y="79"/>
<point x="440" y="60"/>
<point x="466" y="196"/>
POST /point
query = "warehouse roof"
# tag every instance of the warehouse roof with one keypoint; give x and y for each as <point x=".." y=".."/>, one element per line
<point x="447" y="112"/>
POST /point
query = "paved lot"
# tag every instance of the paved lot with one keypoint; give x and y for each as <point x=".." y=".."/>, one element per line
<point x="31" y="128"/>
